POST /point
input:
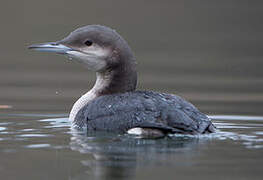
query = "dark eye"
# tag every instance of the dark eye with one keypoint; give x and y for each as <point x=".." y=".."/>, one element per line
<point x="88" y="43"/>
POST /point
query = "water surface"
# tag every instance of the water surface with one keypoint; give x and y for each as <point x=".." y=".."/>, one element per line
<point x="46" y="148"/>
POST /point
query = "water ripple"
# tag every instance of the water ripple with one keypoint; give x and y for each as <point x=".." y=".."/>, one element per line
<point x="56" y="122"/>
<point x="2" y="128"/>
<point x="34" y="135"/>
<point x="236" y="117"/>
<point x="247" y="130"/>
<point x="33" y="146"/>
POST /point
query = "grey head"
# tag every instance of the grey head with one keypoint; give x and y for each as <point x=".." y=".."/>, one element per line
<point x="101" y="49"/>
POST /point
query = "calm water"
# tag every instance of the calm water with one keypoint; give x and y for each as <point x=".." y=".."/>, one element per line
<point x="210" y="53"/>
<point x="45" y="148"/>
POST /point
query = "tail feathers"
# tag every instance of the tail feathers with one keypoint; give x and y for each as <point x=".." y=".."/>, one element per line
<point x="210" y="129"/>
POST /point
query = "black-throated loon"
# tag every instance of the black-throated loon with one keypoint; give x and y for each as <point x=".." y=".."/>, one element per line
<point x="113" y="104"/>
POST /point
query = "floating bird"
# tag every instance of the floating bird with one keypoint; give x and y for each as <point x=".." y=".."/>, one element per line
<point x="114" y="104"/>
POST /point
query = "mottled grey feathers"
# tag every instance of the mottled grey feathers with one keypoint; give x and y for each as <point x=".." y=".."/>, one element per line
<point x="146" y="109"/>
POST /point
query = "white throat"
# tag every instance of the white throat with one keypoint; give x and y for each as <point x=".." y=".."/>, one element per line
<point x="102" y="81"/>
<point x="94" y="59"/>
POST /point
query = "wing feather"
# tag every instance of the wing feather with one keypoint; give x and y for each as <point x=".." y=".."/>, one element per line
<point x="121" y="112"/>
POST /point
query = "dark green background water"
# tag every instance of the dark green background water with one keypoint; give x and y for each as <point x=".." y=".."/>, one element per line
<point x="209" y="52"/>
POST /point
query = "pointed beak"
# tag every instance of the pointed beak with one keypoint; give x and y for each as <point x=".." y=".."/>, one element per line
<point x="51" y="47"/>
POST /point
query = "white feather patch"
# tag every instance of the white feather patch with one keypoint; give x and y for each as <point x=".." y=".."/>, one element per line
<point x="135" y="131"/>
<point x="94" y="61"/>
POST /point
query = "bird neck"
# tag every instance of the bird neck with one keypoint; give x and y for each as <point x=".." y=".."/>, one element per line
<point x="120" y="79"/>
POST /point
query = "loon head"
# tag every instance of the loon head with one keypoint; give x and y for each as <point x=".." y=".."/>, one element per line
<point x="102" y="50"/>
<point x="98" y="47"/>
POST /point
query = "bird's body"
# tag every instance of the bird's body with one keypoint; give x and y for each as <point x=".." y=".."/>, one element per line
<point x="113" y="104"/>
<point x="144" y="109"/>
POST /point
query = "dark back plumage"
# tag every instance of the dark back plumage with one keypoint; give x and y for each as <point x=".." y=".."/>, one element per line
<point x="146" y="109"/>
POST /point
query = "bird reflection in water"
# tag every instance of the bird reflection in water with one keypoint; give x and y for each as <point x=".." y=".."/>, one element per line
<point x="118" y="156"/>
